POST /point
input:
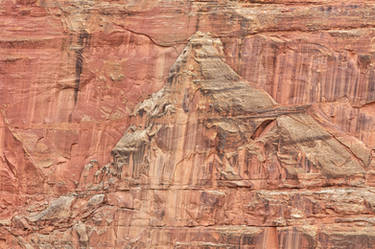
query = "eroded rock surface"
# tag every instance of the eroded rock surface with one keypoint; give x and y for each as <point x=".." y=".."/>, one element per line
<point x="187" y="124"/>
<point x="211" y="161"/>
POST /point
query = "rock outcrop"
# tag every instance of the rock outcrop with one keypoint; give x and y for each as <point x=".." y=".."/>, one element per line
<point x="187" y="124"/>
<point x="211" y="161"/>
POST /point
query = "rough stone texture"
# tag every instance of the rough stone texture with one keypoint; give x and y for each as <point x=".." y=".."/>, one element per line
<point x="187" y="124"/>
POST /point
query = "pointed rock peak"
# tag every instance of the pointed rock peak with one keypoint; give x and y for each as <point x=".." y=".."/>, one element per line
<point x="202" y="67"/>
<point x="200" y="45"/>
<point x="204" y="45"/>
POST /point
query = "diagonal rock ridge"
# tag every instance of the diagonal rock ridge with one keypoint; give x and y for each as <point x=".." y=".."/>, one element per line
<point x="204" y="94"/>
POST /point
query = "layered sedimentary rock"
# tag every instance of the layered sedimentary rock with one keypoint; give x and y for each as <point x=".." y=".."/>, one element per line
<point x="211" y="161"/>
<point x="119" y="129"/>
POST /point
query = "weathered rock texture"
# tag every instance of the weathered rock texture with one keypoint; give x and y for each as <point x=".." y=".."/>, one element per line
<point x="187" y="124"/>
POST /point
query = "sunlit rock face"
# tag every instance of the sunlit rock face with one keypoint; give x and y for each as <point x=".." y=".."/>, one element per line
<point x="187" y="124"/>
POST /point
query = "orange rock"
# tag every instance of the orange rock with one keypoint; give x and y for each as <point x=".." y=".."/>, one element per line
<point x="261" y="137"/>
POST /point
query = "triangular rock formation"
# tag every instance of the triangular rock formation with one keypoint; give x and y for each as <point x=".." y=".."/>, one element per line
<point x="211" y="150"/>
<point x="207" y="127"/>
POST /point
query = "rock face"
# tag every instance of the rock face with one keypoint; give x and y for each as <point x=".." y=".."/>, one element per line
<point x="187" y="124"/>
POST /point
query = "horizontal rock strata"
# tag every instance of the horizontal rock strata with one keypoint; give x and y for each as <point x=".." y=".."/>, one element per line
<point x="187" y="124"/>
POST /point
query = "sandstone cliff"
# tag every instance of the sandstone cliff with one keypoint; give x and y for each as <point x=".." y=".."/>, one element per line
<point x="187" y="124"/>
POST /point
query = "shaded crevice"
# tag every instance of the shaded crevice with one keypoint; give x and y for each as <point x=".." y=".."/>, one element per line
<point x="348" y="149"/>
<point x="263" y="127"/>
<point x="168" y="45"/>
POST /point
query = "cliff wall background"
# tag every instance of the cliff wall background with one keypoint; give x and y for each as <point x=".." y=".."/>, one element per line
<point x="187" y="124"/>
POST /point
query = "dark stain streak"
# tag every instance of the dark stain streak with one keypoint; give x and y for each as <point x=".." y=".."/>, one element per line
<point x="198" y="22"/>
<point x="82" y="43"/>
<point x="185" y="102"/>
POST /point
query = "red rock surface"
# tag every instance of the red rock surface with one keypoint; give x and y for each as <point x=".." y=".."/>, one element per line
<point x="258" y="135"/>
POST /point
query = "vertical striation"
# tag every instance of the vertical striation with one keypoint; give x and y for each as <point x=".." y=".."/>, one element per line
<point x="187" y="124"/>
<point x="211" y="161"/>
